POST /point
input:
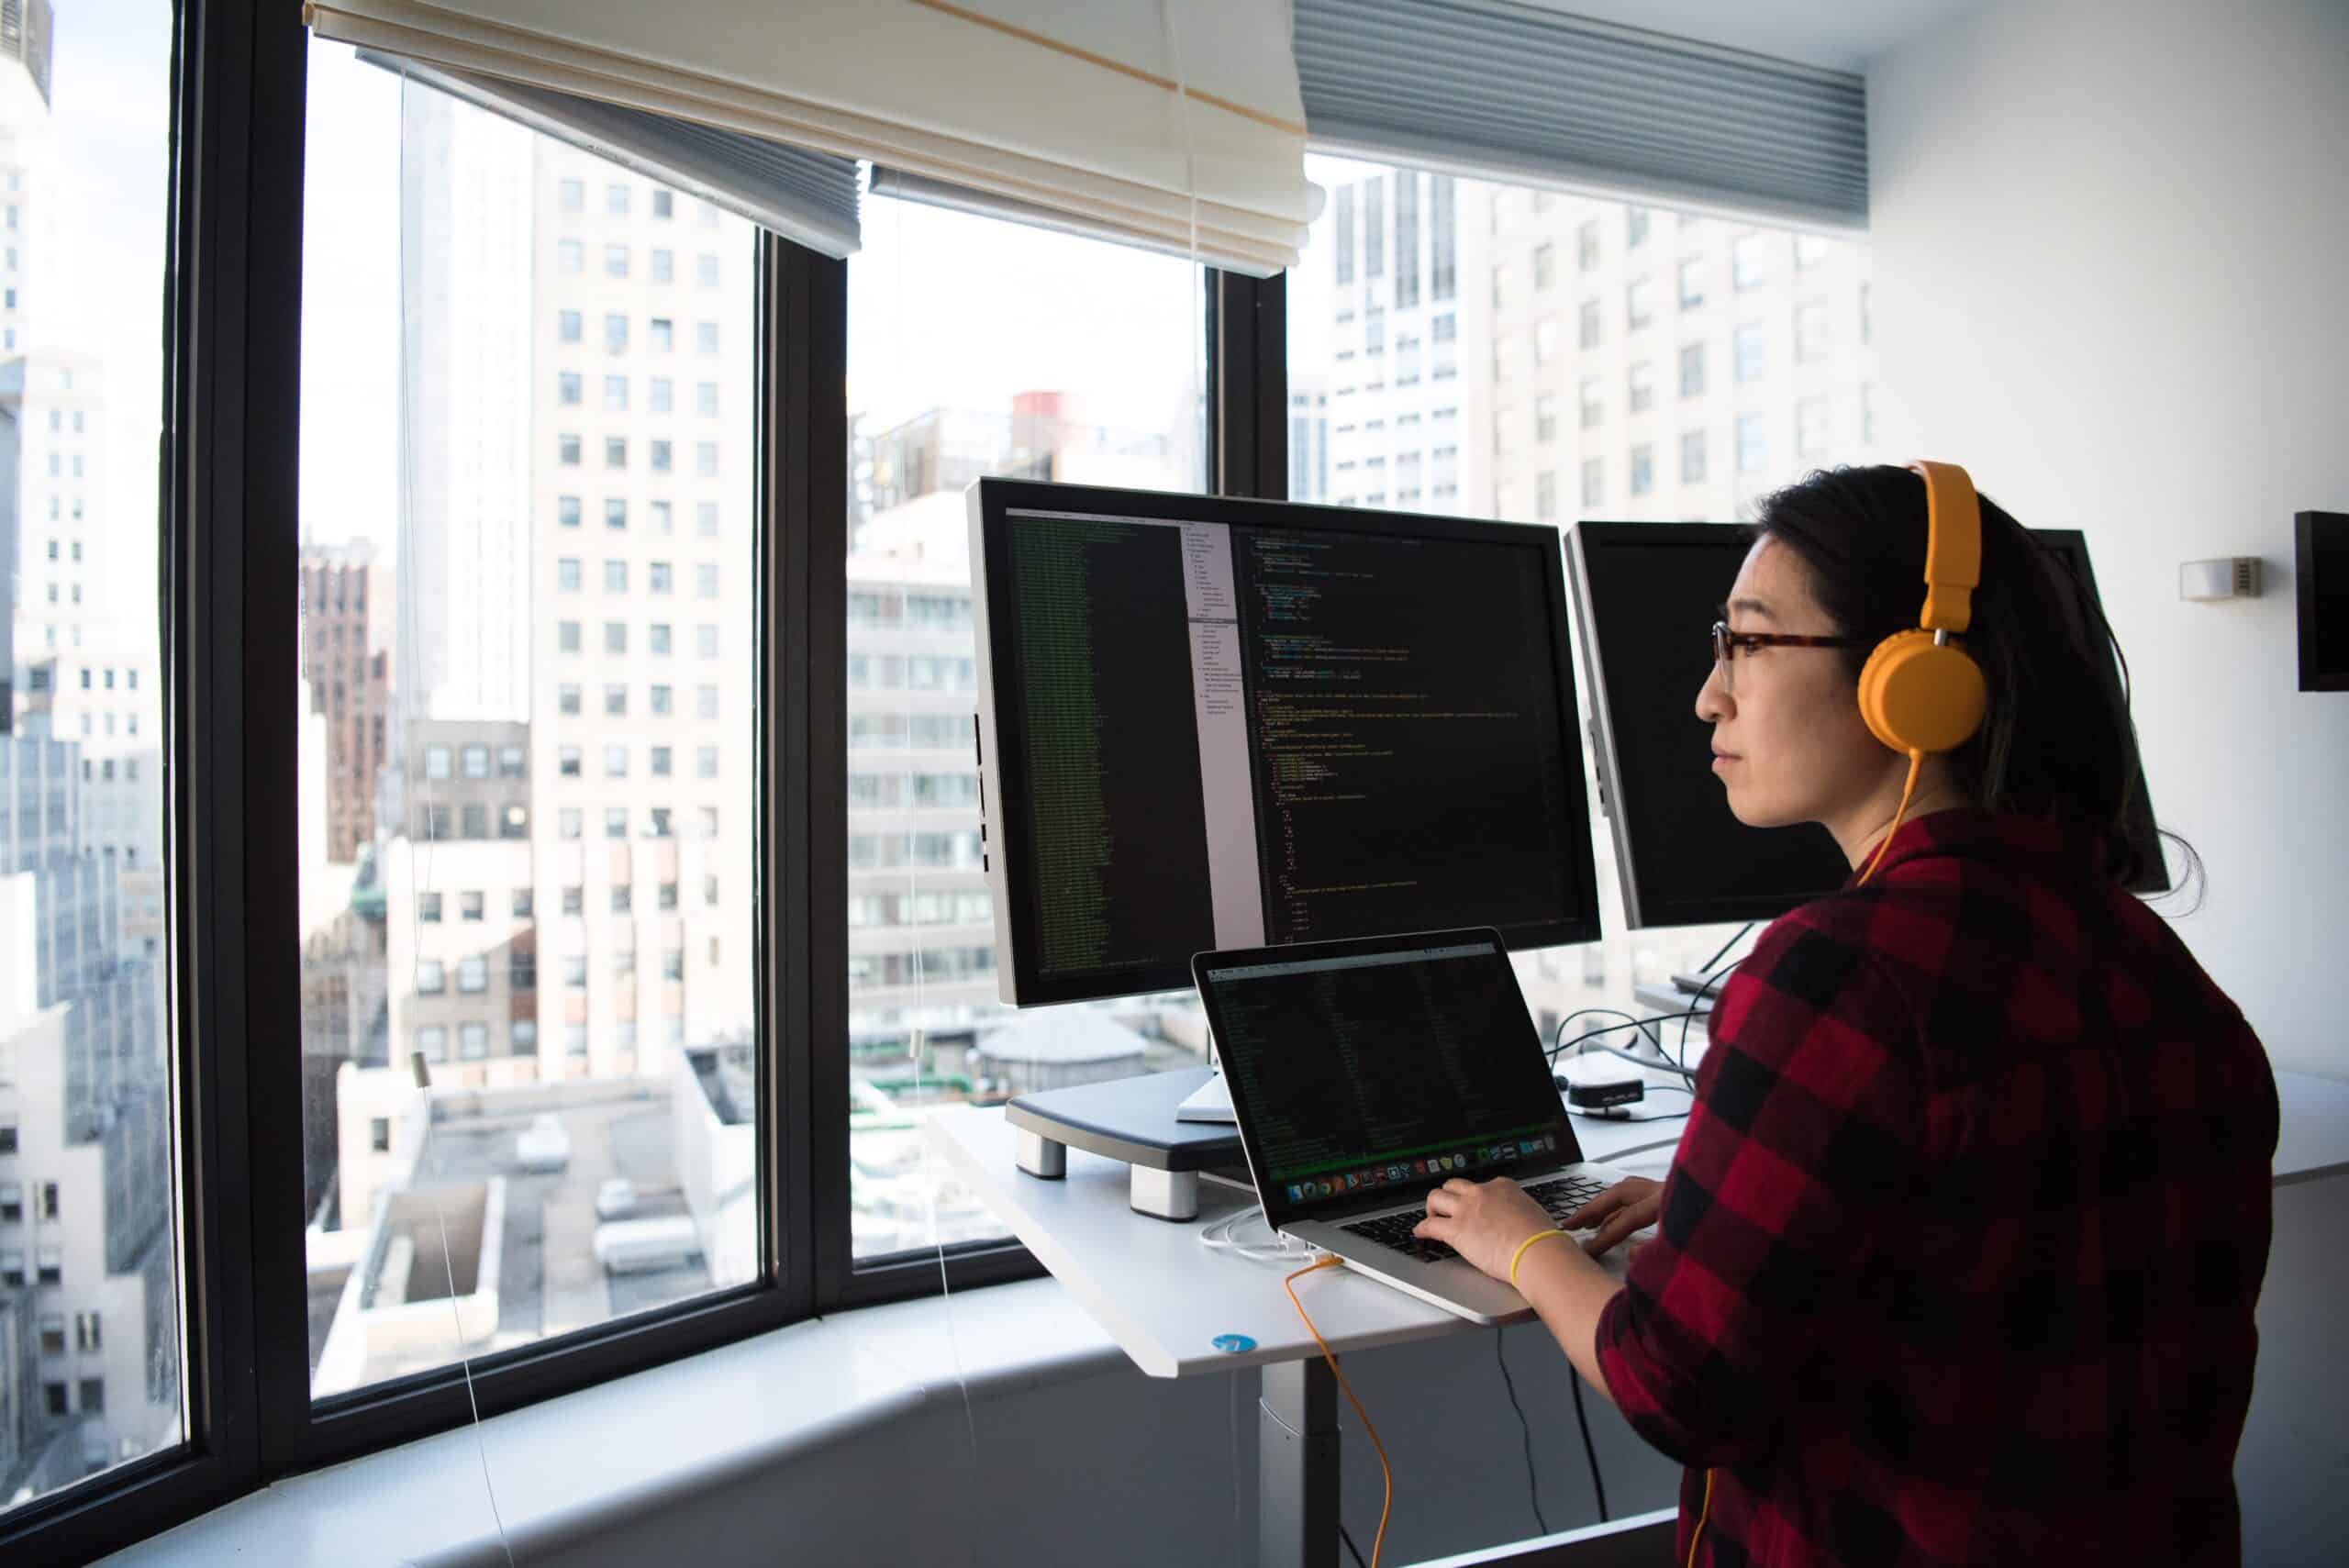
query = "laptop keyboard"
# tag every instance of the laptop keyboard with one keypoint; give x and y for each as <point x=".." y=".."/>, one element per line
<point x="1559" y="1197"/>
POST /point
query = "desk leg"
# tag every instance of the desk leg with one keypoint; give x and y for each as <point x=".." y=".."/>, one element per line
<point x="1039" y="1156"/>
<point x="1297" y="1497"/>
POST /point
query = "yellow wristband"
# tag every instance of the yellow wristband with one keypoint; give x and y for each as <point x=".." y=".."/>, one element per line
<point x="1521" y="1246"/>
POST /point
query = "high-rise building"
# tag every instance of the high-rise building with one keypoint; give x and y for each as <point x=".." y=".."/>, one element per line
<point x="1646" y="364"/>
<point x="347" y="612"/>
<point x="1308" y="437"/>
<point x="1397" y="405"/>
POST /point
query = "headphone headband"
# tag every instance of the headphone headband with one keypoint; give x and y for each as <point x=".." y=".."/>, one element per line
<point x="1953" y="546"/>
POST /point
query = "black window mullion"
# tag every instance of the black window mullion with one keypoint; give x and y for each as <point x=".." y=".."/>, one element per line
<point x="803" y="708"/>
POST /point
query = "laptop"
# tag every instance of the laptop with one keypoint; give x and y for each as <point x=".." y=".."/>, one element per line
<point x="1364" y="1073"/>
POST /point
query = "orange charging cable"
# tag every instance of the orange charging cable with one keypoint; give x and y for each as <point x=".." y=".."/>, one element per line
<point x="1385" y="1473"/>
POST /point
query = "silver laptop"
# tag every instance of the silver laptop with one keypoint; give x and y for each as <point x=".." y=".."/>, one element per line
<point x="1364" y="1073"/>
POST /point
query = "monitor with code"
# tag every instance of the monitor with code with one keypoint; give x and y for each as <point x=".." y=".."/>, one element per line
<point x="1645" y="595"/>
<point x="1214" y="723"/>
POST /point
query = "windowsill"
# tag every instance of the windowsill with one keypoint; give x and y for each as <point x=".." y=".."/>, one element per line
<point x="571" y="1467"/>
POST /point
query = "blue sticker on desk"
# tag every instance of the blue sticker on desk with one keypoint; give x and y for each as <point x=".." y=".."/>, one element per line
<point x="1233" y="1344"/>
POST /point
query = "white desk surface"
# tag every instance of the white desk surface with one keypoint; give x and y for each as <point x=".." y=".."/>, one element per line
<point x="1164" y="1298"/>
<point x="1162" y="1295"/>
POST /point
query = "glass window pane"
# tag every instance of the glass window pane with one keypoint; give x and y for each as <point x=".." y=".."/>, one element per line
<point x="1687" y="401"/>
<point x="510" y="652"/>
<point x="90" y="1310"/>
<point x="975" y="347"/>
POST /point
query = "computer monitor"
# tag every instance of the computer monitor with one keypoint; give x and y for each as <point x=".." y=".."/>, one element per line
<point x="1645" y="594"/>
<point x="1209" y="723"/>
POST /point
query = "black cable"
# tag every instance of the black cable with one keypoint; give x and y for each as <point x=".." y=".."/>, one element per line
<point x="1708" y="963"/>
<point x="1352" y="1547"/>
<point x="1589" y="1452"/>
<point x="1664" y="1065"/>
<point x="1525" y="1428"/>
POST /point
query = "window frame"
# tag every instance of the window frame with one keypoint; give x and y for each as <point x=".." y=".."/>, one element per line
<point x="231" y="392"/>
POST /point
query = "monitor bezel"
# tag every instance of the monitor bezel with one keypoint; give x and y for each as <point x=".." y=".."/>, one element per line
<point x="1004" y="850"/>
<point x="1642" y="910"/>
<point x="1281" y="1210"/>
<point x="2308" y="588"/>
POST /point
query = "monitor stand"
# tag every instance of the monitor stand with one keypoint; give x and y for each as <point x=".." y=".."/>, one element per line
<point x="1210" y="1102"/>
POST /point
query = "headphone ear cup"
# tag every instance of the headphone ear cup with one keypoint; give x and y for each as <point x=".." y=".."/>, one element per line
<point x="1915" y="697"/>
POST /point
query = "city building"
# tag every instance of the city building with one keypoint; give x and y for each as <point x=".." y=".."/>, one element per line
<point x="1399" y="410"/>
<point x="347" y="610"/>
<point x="1652" y="365"/>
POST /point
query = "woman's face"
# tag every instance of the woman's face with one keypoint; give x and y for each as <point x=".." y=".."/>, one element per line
<point x="1789" y="745"/>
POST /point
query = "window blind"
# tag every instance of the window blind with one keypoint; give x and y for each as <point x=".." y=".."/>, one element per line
<point x="1500" y="89"/>
<point x="1150" y="120"/>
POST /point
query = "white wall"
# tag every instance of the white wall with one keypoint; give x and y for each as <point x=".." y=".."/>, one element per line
<point x="2112" y="251"/>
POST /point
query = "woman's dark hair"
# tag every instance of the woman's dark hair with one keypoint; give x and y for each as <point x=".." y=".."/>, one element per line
<point x="2056" y="742"/>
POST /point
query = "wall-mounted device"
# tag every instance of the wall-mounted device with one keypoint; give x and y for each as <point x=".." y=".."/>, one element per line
<point x="2322" y="579"/>
<point x="2227" y="577"/>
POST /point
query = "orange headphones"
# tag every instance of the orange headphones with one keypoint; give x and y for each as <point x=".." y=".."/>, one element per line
<point x="1919" y="692"/>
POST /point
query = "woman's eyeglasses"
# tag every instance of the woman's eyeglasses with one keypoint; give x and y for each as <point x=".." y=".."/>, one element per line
<point x="1728" y="643"/>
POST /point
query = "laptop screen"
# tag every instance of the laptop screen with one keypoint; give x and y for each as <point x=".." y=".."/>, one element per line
<point x="1363" y="1068"/>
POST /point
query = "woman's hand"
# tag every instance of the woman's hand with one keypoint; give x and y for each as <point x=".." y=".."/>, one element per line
<point x="1483" y="1221"/>
<point x="1629" y="1205"/>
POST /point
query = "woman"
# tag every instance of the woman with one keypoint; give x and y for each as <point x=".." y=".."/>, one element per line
<point x="1957" y="1257"/>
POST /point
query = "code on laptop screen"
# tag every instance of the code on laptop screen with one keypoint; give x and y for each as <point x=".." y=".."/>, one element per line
<point x="1374" y="1058"/>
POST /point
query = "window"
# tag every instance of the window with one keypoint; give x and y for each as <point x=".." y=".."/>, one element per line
<point x="1642" y="469"/>
<point x="616" y="576"/>
<point x="1594" y="482"/>
<point x="569" y="822"/>
<point x="1810" y="249"/>
<point x="664" y="266"/>
<point x="615" y="394"/>
<point x="616" y="261"/>
<point x="473" y="974"/>
<point x="1753" y="446"/>
<point x="1586" y="335"/>
<point x="1643" y="387"/>
<point x="706" y="582"/>
<point x="1692" y="283"/>
<point x="616" y="451"/>
<point x="431" y="977"/>
<point x="427" y="907"/>
<point x="615" y="702"/>
<point x="1639" y="302"/>
<point x="567" y="698"/>
<point x="616" y="513"/>
<point x="1594" y="404"/>
<point x="1546" y="496"/>
<point x="660" y="334"/>
<point x="379" y="1134"/>
<point x="1587" y="244"/>
<point x="471" y="905"/>
<point x="1749" y="347"/>
<point x="1545" y="267"/>
<point x="662" y="395"/>
<point x="1748" y="261"/>
<point x="1692" y="370"/>
<point x="436" y="762"/>
<point x="1545" y="418"/>
<point x="567" y="636"/>
<point x="1812" y="332"/>
<point x="615" y="333"/>
<point x="432" y="1040"/>
<point x="570" y="326"/>
<point x="659" y="577"/>
<point x="1812" y="427"/>
<point x="570" y="258"/>
<point x="1692" y="456"/>
<point x="663" y="457"/>
<point x="616" y="636"/>
<point x="1635" y="228"/>
<point x="705" y="337"/>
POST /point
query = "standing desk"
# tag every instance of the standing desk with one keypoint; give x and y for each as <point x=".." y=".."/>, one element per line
<point x="1165" y="1298"/>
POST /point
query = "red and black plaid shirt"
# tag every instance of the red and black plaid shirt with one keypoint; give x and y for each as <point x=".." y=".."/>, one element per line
<point x="1957" y="1259"/>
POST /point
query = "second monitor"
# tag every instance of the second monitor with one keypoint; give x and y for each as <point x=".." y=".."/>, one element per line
<point x="1214" y="723"/>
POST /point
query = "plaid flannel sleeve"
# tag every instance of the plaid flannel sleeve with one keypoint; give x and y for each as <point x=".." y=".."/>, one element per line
<point x="1796" y="1153"/>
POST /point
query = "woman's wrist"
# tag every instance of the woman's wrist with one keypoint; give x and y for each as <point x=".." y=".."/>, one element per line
<point x="1519" y="1256"/>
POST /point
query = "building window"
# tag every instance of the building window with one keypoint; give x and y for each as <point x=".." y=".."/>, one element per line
<point x="1588" y="325"/>
<point x="1747" y="261"/>
<point x="431" y="977"/>
<point x="1643" y="387"/>
<point x="1812" y="332"/>
<point x="1642" y="469"/>
<point x="473" y="975"/>
<point x="1752" y="445"/>
<point x="1546" y="496"/>
<point x="1811" y="416"/>
<point x="1587" y="244"/>
<point x="1635" y="228"/>
<point x="1545" y="418"/>
<point x="1692" y="456"/>
<point x="379" y="1134"/>
<point x="1692" y="370"/>
<point x="1748" y="348"/>
<point x="471" y="905"/>
<point x="1545" y="266"/>
<point x="1639" y="302"/>
<point x="427" y="907"/>
<point x="1594" y="404"/>
<point x="1692" y="283"/>
<point x="1594" y="482"/>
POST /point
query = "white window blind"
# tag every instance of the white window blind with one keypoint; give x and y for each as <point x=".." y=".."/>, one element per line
<point x="809" y="197"/>
<point x="1507" y="90"/>
<point x="1153" y="121"/>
